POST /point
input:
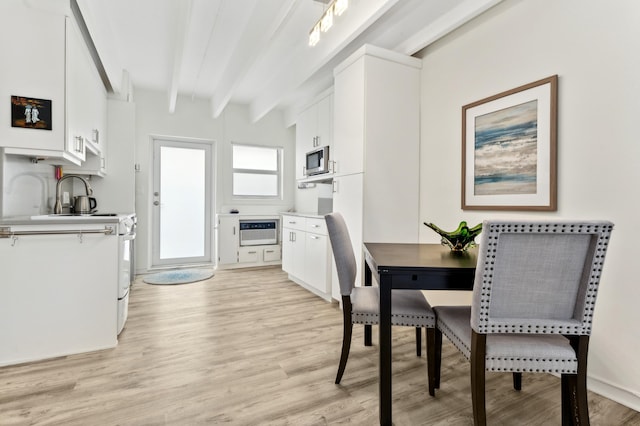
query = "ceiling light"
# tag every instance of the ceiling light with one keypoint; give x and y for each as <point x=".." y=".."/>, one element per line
<point x="314" y="35"/>
<point x="327" y="20"/>
<point x="337" y="8"/>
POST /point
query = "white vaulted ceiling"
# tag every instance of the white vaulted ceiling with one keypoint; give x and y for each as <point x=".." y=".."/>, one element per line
<point x="254" y="52"/>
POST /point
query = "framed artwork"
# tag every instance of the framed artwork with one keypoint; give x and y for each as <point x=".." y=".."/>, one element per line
<point x="509" y="149"/>
<point x="30" y="113"/>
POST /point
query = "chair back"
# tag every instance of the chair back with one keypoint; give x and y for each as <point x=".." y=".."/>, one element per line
<point x="342" y="252"/>
<point x="538" y="277"/>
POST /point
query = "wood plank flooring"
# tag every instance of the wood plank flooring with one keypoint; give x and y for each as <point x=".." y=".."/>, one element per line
<point x="249" y="347"/>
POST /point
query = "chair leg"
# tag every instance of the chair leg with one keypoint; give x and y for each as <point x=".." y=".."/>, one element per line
<point x="517" y="381"/>
<point x="431" y="363"/>
<point x="478" y="349"/>
<point x="346" y="336"/>
<point x="418" y="341"/>
<point x="437" y="356"/>
<point x="575" y="407"/>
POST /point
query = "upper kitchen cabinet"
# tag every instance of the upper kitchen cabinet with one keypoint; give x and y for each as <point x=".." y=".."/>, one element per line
<point x="314" y="129"/>
<point x="48" y="59"/>
<point x="86" y="104"/>
<point x="377" y="107"/>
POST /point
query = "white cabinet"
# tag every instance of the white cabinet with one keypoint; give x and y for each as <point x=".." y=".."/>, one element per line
<point x="376" y="147"/>
<point x="314" y="128"/>
<point x="86" y="105"/>
<point x="293" y="242"/>
<point x="231" y="254"/>
<point x="65" y="305"/>
<point x="61" y="72"/>
<point x="306" y="253"/>
<point x="227" y="236"/>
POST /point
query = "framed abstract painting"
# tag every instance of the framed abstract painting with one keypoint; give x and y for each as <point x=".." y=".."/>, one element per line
<point x="509" y="149"/>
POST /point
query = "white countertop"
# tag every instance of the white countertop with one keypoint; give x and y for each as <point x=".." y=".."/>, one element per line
<point x="303" y="214"/>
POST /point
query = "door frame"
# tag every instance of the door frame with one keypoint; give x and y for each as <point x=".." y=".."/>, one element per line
<point x="210" y="251"/>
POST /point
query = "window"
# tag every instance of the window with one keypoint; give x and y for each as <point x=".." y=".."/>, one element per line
<point x="257" y="171"/>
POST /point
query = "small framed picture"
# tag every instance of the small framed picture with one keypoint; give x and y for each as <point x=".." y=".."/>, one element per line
<point x="509" y="149"/>
<point x="30" y="113"/>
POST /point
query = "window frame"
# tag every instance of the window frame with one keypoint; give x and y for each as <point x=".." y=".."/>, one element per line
<point x="278" y="173"/>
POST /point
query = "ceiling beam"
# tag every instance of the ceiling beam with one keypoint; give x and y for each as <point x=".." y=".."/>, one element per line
<point x="360" y="16"/>
<point x="183" y="17"/>
<point x="248" y="52"/>
<point x="442" y="26"/>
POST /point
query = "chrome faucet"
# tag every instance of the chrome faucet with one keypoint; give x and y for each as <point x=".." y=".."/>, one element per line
<point x="57" y="208"/>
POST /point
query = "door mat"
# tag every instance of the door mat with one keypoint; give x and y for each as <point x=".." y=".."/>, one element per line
<point x="178" y="276"/>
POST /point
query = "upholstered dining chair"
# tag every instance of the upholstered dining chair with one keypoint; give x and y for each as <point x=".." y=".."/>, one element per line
<point x="360" y="305"/>
<point x="533" y="298"/>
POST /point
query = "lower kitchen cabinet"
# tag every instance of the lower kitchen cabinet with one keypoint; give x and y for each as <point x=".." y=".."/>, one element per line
<point x="232" y="253"/>
<point x="59" y="291"/>
<point x="306" y="253"/>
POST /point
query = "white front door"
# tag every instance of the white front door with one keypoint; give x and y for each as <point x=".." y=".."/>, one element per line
<point x="181" y="202"/>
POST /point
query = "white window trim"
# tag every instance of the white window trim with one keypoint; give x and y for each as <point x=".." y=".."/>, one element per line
<point x="279" y="173"/>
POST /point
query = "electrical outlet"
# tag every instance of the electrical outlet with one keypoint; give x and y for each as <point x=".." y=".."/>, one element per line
<point x="65" y="198"/>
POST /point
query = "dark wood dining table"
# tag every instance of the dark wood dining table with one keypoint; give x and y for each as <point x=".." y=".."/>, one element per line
<point x="410" y="266"/>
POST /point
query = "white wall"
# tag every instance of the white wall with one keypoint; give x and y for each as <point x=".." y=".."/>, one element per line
<point x="192" y="119"/>
<point x="593" y="47"/>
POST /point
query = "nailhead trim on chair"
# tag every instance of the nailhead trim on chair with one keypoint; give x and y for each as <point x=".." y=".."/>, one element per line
<point x="399" y="320"/>
<point x="584" y="327"/>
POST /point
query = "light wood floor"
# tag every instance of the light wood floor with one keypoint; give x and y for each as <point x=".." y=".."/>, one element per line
<point x="250" y="347"/>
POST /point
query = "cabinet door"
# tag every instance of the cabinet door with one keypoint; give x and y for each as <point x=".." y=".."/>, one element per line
<point x="228" y="229"/>
<point x="293" y="252"/>
<point x="348" y="200"/>
<point x="306" y="126"/>
<point x="316" y="266"/>
<point x="324" y="128"/>
<point x="348" y="140"/>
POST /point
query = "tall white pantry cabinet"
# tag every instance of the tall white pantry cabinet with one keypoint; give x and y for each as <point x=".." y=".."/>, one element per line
<point x="376" y="148"/>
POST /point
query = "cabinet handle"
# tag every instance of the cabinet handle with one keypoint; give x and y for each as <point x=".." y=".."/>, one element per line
<point x="332" y="167"/>
<point x="313" y="237"/>
<point x="95" y="135"/>
<point x="315" y="226"/>
<point x="304" y="170"/>
<point x="293" y="236"/>
<point x="268" y="251"/>
<point x="292" y="222"/>
<point x="79" y="143"/>
<point x="334" y="185"/>
<point x="234" y="230"/>
<point x="252" y="252"/>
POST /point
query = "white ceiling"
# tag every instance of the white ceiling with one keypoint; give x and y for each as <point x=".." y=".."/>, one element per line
<point x="254" y="52"/>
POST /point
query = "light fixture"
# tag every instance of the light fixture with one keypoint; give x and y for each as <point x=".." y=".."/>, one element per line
<point x="339" y="6"/>
<point x="327" y="20"/>
<point x="336" y="8"/>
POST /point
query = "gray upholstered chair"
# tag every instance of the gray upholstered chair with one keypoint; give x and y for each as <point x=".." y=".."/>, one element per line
<point x="534" y="292"/>
<point x="360" y="305"/>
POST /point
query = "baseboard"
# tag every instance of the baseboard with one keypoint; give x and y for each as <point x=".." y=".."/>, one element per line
<point x="625" y="397"/>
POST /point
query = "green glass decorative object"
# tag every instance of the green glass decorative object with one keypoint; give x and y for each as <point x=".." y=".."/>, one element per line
<point x="459" y="240"/>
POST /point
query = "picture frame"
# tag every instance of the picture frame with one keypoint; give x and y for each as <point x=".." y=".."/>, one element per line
<point x="31" y="113"/>
<point x="509" y="149"/>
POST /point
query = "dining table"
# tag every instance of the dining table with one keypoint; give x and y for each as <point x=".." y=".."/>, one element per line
<point x="410" y="266"/>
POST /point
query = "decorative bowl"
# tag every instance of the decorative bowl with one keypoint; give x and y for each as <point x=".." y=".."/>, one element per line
<point x="459" y="240"/>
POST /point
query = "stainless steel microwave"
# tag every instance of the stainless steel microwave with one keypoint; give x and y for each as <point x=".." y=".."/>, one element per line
<point x="317" y="161"/>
